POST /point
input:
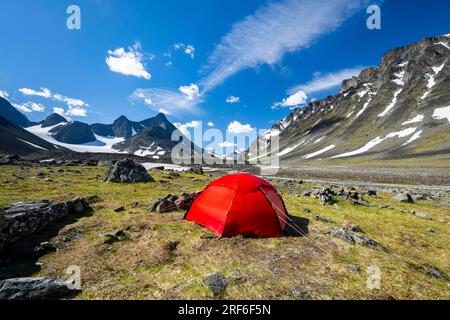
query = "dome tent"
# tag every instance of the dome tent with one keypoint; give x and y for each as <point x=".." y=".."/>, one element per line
<point x="240" y="204"/>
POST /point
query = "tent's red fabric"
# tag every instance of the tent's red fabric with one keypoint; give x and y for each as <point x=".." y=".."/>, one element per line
<point x="240" y="204"/>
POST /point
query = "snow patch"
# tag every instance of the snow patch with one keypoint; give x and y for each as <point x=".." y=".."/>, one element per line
<point x="315" y="154"/>
<point x="32" y="144"/>
<point x="432" y="79"/>
<point x="377" y="141"/>
<point x="320" y="139"/>
<point x="442" y="113"/>
<point x="417" y="119"/>
<point x="392" y="104"/>
<point x="415" y="137"/>
<point x="289" y="150"/>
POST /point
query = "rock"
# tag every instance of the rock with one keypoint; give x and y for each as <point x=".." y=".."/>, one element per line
<point x="172" y="246"/>
<point x="70" y="234"/>
<point x="352" y="237"/>
<point x="41" y="174"/>
<point x="127" y="171"/>
<point x="93" y="199"/>
<point x="306" y="210"/>
<point x="430" y="230"/>
<point x="186" y="200"/>
<point x="422" y="216"/>
<point x="8" y="159"/>
<point x="135" y="204"/>
<point x="33" y="289"/>
<point x="120" y="209"/>
<point x="117" y="237"/>
<point x="372" y="193"/>
<point x="326" y="197"/>
<point x="209" y="236"/>
<point x="435" y="272"/>
<point x="298" y="293"/>
<point x="24" y="219"/>
<point x="197" y="170"/>
<point x="354" y="267"/>
<point x="44" y="248"/>
<point x="322" y="218"/>
<point x="353" y="227"/>
<point x="403" y="197"/>
<point x="174" y="174"/>
<point x="216" y="282"/>
<point x="166" y="204"/>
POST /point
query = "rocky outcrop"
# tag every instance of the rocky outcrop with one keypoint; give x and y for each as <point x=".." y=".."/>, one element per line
<point x="353" y="237"/>
<point x="216" y="282"/>
<point x="53" y="120"/>
<point x="73" y="133"/>
<point x="127" y="171"/>
<point x="404" y="197"/>
<point x="24" y="219"/>
<point x="174" y="203"/>
<point x="33" y="289"/>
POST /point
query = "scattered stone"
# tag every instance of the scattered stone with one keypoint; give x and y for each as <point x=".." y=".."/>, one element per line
<point x="354" y="267"/>
<point x="306" y="193"/>
<point x="216" y="282"/>
<point x="135" y="204"/>
<point x="93" y="199"/>
<point x="430" y="230"/>
<point x="306" y="210"/>
<point x="353" y="237"/>
<point x="41" y="174"/>
<point x="174" y="174"/>
<point x="322" y="218"/>
<point x="372" y="193"/>
<point x="8" y="159"/>
<point x="117" y="237"/>
<point x="422" y="216"/>
<point x="353" y="227"/>
<point x="174" y="203"/>
<point x="298" y="293"/>
<point x="435" y="272"/>
<point x="208" y="236"/>
<point x="120" y="209"/>
<point x="172" y="246"/>
<point x="33" y="289"/>
<point x="127" y="171"/>
<point x="186" y="200"/>
<point x="197" y="170"/>
<point x="326" y="197"/>
<point x="403" y="197"/>
<point x="70" y="234"/>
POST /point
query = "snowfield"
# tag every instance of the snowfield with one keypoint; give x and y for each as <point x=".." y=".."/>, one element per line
<point x="315" y="154"/>
<point x="101" y="145"/>
<point x="416" y="119"/>
<point x="442" y="113"/>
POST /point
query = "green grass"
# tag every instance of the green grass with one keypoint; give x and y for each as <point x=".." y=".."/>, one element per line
<point x="140" y="268"/>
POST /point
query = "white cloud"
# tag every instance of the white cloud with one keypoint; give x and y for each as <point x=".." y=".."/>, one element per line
<point x="184" y="128"/>
<point x="236" y="127"/>
<point x="29" y="107"/>
<point x="47" y="93"/>
<point x="294" y="100"/>
<point x="187" y="49"/>
<point x="210" y="124"/>
<point x="227" y="144"/>
<point x="233" y="99"/>
<point x="128" y="63"/>
<point x="44" y="92"/>
<point x="167" y="101"/>
<point x="327" y="81"/>
<point x="59" y="111"/>
<point x="4" y="94"/>
<point x="191" y="91"/>
<point x="273" y="30"/>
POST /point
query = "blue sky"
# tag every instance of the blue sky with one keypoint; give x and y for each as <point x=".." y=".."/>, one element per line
<point x="253" y="53"/>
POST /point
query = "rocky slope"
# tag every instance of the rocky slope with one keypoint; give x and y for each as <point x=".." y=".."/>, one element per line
<point x="11" y="114"/>
<point x="73" y="133"/>
<point x="16" y="140"/>
<point x="400" y="109"/>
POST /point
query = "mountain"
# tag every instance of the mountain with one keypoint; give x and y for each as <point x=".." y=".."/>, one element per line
<point x="73" y="133"/>
<point x="400" y="109"/>
<point x="122" y="127"/>
<point x="16" y="140"/>
<point x="53" y="120"/>
<point x="12" y="114"/>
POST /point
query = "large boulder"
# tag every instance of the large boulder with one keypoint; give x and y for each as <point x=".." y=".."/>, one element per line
<point x="127" y="171"/>
<point x="404" y="197"/>
<point x="216" y="282"/>
<point x="33" y="289"/>
<point x="23" y="219"/>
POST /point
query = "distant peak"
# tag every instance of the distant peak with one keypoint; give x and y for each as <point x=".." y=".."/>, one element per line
<point x="161" y="116"/>
<point x="122" y="118"/>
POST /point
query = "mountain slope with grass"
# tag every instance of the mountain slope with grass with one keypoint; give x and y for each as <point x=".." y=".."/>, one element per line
<point x="399" y="110"/>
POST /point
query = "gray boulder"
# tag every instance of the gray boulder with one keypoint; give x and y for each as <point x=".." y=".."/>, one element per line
<point x="33" y="289"/>
<point x="216" y="282"/>
<point x="127" y="171"/>
<point x="403" y="197"/>
<point x="353" y="237"/>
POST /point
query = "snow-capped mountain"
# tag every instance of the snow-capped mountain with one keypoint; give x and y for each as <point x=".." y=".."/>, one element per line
<point x="399" y="110"/>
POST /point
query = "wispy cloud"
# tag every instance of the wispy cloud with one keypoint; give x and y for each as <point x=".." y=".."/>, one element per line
<point x="273" y="30"/>
<point x="233" y="99"/>
<point x="296" y="99"/>
<point x="186" y="48"/>
<point x="170" y="102"/>
<point x="327" y="81"/>
<point x="128" y="62"/>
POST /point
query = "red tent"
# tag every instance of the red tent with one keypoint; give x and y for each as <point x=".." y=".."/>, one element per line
<point x="240" y="204"/>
